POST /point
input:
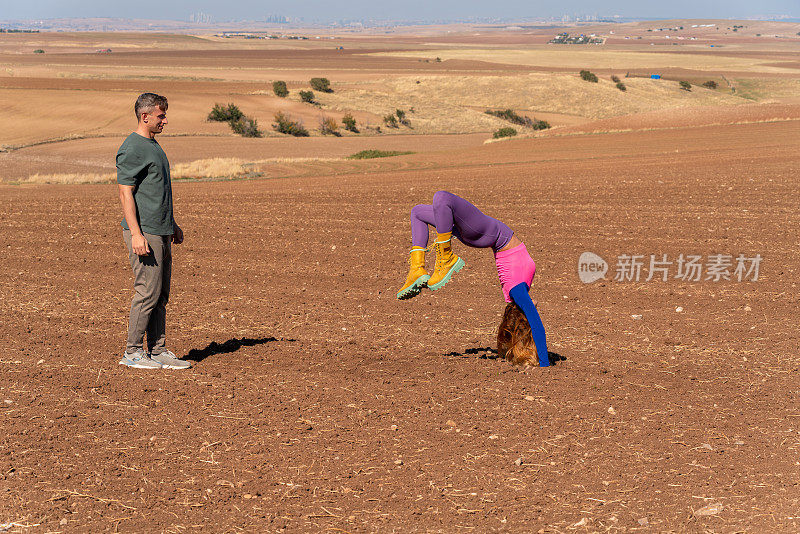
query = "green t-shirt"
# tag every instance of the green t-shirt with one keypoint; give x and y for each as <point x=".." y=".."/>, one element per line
<point x="142" y="163"/>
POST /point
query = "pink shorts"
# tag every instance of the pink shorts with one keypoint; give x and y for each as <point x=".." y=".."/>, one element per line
<point x="514" y="266"/>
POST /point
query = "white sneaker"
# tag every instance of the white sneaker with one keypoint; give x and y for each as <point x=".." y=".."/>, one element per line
<point x="139" y="360"/>
<point x="168" y="360"/>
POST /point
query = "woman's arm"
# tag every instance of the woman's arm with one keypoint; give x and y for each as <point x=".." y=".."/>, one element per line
<point x="519" y="294"/>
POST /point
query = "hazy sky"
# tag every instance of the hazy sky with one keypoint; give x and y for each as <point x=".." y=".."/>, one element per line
<point x="394" y="9"/>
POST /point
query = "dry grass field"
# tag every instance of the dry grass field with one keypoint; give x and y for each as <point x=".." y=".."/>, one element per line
<point x="604" y="59"/>
<point x="318" y="402"/>
<point x="72" y="92"/>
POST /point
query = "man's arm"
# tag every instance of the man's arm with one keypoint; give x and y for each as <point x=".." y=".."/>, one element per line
<point x="138" y="242"/>
<point x="520" y="296"/>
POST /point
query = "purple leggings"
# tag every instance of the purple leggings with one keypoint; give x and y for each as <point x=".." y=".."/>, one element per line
<point x="451" y="213"/>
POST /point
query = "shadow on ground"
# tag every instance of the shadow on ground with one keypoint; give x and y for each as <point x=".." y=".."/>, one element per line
<point x="491" y="354"/>
<point x="231" y="345"/>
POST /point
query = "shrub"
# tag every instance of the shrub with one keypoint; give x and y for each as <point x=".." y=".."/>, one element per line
<point x="540" y="124"/>
<point x="246" y="127"/>
<point x="370" y="154"/>
<point x="710" y="84"/>
<point x="511" y="116"/>
<point x="323" y="85"/>
<point x="588" y="76"/>
<point x="401" y="117"/>
<point x="284" y="124"/>
<point x="505" y="132"/>
<point x="307" y="96"/>
<point x="390" y="121"/>
<point x="349" y="123"/>
<point x="329" y="126"/>
<point x="222" y="113"/>
<point x="438" y="60"/>
<point x="621" y="87"/>
<point x="279" y="87"/>
<point x="615" y="79"/>
<point x="686" y="86"/>
<point x="38" y="51"/>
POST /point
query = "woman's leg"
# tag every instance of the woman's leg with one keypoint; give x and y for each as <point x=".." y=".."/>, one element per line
<point x="445" y="208"/>
<point x="421" y="217"/>
<point x="469" y="224"/>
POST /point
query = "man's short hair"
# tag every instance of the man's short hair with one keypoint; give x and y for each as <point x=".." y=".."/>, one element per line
<point x="147" y="102"/>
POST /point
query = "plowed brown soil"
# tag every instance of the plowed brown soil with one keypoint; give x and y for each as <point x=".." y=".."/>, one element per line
<point x="320" y="403"/>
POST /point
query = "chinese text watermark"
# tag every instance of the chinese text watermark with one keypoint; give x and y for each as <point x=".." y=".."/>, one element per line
<point x="686" y="267"/>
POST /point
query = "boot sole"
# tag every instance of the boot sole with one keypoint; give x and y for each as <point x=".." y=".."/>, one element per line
<point x="414" y="289"/>
<point x="457" y="267"/>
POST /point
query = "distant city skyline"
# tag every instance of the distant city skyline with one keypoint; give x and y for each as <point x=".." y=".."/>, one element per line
<point x="411" y="10"/>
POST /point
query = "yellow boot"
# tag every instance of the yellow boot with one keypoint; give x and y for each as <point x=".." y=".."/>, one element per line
<point x="417" y="275"/>
<point x="447" y="263"/>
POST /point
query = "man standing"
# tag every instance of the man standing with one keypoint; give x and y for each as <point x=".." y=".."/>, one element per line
<point x="149" y="230"/>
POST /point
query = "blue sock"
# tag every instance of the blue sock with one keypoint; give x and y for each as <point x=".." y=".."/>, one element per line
<point x="519" y="294"/>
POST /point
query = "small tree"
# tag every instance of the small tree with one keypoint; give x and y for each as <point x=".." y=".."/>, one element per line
<point x="279" y="88"/>
<point x="588" y="76"/>
<point x="307" y="96"/>
<point x="390" y="121"/>
<point x="329" y="126"/>
<point x="246" y="127"/>
<point x="286" y="125"/>
<point x="615" y="79"/>
<point x="222" y="113"/>
<point x="621" y="87"/>
<point x="505" y="132"/>
<point x="686" y="86"/>
<point x="710" y="84"/>
<point x="323" y="85"/>
<point x="349" y="123"/>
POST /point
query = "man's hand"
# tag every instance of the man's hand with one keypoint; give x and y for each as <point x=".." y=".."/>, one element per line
<point x="139" y="245"/>
<point x="177" y="235"/>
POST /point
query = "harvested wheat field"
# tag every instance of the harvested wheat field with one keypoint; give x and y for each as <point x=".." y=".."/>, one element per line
<point x="318" y="402"/>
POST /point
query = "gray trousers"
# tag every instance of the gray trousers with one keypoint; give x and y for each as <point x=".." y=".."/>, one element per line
<point x="151" y="278"/>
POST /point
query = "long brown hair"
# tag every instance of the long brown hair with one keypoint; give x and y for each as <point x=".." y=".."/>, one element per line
<point x="514" y="339"/>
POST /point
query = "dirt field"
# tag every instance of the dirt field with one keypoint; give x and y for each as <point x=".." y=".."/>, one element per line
<point x="321" y="403"/>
